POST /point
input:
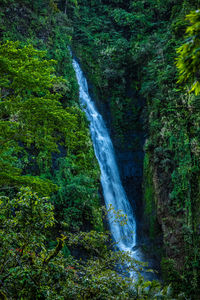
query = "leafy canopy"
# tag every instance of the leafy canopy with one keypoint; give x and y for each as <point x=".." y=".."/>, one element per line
<point x="32" y="117"/>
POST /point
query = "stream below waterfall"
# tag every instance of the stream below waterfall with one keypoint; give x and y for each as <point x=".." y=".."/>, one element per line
<point x="113" y="191"/>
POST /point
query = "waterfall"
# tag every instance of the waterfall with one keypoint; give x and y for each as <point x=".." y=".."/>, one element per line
<point x="113" y="191"/>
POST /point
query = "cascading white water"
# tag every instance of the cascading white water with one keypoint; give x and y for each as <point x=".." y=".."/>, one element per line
<point x="114" y="194"/>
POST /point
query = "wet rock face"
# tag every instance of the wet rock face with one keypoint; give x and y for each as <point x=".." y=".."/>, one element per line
<point x="131" y="171"/>
<point x="172" y="225"/>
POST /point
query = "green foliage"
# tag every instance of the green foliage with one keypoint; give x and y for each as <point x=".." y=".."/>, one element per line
<point x="24" y="223"/>
<point x="29" y="270"/>
<point x="27" y="106"/>
<point x="77" y="201"/>
<point x="30" y="113"/>
<point x="49" y="30"/>
<point x="188" y="54"/>
<point x="33" y="117"/>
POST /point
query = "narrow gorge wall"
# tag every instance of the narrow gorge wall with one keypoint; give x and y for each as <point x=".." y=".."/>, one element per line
<point x="131" y="46"/>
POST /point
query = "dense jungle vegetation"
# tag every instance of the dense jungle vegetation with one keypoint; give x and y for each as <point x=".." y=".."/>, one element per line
<point x="142" y="60"/>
